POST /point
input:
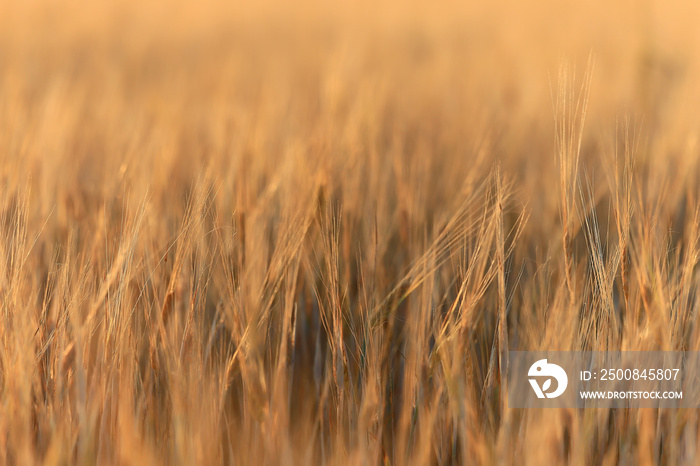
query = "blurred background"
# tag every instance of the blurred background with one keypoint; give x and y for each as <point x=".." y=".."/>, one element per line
<point x="450" y="69"/>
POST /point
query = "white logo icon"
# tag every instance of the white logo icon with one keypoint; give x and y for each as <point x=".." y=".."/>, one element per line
<point x="542" y="369"/>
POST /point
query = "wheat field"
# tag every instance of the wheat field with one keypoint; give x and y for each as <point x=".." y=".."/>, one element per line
<point x="310" y="232"/>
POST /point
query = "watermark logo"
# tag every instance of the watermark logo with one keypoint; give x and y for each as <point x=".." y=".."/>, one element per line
<point x="541" y="369"/>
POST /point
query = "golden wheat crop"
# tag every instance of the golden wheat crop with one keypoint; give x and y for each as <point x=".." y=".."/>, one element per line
<point x="309" y="232"/>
